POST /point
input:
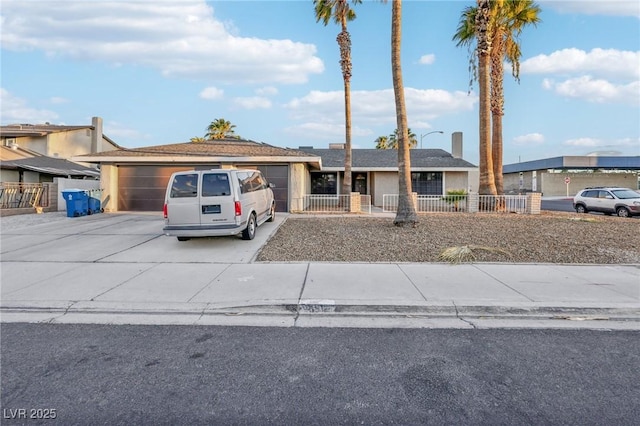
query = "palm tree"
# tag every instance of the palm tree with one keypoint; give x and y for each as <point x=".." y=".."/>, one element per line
<point x="382" y="142"/>
<point x="487" y="184"/>
<point x="197" y="139"/>
<point x="220" y="129"/>
<point x="393" y="139"/>
<point x="507" y="19"/>
<point x="341" y="13"/>
<point x="406" y="213"/>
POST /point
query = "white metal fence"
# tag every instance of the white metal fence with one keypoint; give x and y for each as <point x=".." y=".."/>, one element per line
<point x="320" y="203"/>
<point x="502" y="203"/>
<point x="462" y="203"/>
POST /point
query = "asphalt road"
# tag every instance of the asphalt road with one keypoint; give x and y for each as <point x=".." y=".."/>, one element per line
<point x="99" y="375"/>
<point x="560" y="205"/>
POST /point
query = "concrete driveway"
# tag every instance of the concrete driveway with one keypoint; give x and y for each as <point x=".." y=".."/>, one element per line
<point x="121" y="237"/>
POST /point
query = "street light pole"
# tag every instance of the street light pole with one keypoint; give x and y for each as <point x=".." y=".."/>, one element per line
<point x="422" y="136"/>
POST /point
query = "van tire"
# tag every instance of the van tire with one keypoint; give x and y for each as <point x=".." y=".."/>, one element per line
<point x="250" y="231"/>
<point x="183" y="238"/>
<point x="272" y="213"/>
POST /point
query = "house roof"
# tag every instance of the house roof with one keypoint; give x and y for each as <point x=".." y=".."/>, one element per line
<point x="207" y="151"/>
<point x="39" y="130"/>
<point x="387" y="159"/>
<point x="51" y="166"/>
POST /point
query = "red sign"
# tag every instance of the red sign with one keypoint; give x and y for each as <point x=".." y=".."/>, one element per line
<point x="567" y="180"/>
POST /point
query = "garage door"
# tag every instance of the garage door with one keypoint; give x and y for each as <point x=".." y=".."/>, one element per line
<point x="142" y="188"/>
<point x="279" y="176"/>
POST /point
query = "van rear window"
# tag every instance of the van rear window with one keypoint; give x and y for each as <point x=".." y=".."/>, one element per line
<point x="184" y="186"/>
<point x="215" y="185"/>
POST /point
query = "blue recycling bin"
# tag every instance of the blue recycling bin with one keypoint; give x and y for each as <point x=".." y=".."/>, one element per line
<point x="94" y="201"/>
<point x="77" y="202"/>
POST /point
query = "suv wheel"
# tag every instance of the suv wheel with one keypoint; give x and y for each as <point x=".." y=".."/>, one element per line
<point x="272" y="213"/>
<point x="622" y="212"/>
<point x="581" y="209"/>
<point x="250" y="230"/>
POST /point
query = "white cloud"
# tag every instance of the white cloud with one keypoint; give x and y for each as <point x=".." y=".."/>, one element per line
<point x="427" y="59"/>
<point x="600" y="143"/>
<point x="181" y="39"/>
<point x="529" y="139"/>
<point x="595" y="7"/>
<point x="255" y="102"/>
<point x="375" y="107"/>
<point x="598" y="76"/>
<point x="267" y="91"/>
<point x="16" y="110"/>
<point x="596" y="90"/>
<point x="212" y="93"/>
<point x="609" y="63"/>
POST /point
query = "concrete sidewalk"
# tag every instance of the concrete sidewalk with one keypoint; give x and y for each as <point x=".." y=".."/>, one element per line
<point x="119" y="269"/>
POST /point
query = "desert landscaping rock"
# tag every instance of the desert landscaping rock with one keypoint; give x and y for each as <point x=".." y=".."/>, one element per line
<point x="551" y="237"/>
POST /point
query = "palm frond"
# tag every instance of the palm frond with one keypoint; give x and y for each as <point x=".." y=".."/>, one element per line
<point x="465" y="254"/>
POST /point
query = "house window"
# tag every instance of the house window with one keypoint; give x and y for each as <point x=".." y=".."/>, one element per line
<point x="323" y="183"/>
<point x="427" y="183"/>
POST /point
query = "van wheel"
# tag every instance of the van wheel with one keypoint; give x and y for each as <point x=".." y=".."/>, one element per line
<point x="272" y="213"/>
<point x="250" y="230"/>
<point x="183" y="238"/>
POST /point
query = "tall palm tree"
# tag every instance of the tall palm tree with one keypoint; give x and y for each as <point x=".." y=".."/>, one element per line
<point x="508" y="19"/>
<point x="406" y="213"/>
<point x="220" y="129"/>
<point x="341" y="13"/>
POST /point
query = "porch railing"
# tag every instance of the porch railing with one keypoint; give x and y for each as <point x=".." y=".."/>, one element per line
<point x="23" y="195"/>
<point x="323" y="203"/>
<point x="472" y="203"/>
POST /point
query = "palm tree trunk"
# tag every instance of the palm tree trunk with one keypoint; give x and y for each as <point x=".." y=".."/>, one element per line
<point x="406" y="213"/>
<point x="344" y="41"/>
<point x="497" y="107"/>
<point x="487" y="183"/>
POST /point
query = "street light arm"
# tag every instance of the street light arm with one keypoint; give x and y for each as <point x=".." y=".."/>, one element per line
<point x="429" y="133"/>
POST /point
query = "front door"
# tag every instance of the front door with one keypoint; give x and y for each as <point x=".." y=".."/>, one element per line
<point x="359" y="183"/>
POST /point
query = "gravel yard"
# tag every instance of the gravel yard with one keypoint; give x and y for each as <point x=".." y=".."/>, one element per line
<point x="551" y="237"/>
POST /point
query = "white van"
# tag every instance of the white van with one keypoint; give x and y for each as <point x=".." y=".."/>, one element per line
<point x="217" y="202"/>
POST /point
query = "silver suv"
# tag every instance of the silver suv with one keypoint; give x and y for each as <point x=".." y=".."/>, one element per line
<point x="623" y="202"/>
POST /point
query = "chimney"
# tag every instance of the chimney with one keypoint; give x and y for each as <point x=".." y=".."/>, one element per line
<point x="96" y="135"/>
<point x="336" y="146"/>
<point x="456" y="144"/>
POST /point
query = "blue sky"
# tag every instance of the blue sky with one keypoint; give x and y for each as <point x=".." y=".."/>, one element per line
<point x="160" y="71"/>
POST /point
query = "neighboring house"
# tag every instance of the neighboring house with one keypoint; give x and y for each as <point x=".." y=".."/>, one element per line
<point x="57" y="141"/>
<point x="34" y="158"/>
<point x="136" y="179"/>
<point x="565" y="176"/>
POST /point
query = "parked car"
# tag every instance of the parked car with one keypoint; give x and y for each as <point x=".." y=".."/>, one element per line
<point x="217" y="202"/>
<point x="623" y="202"/>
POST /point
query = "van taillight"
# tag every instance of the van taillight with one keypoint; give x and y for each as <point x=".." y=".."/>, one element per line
<point x="164" y="211"/>
<point x="238" y="208"/>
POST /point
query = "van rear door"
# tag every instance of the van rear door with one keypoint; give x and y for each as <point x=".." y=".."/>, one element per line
<point x="217" y="201"/>
<point x="182" y="199"/>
